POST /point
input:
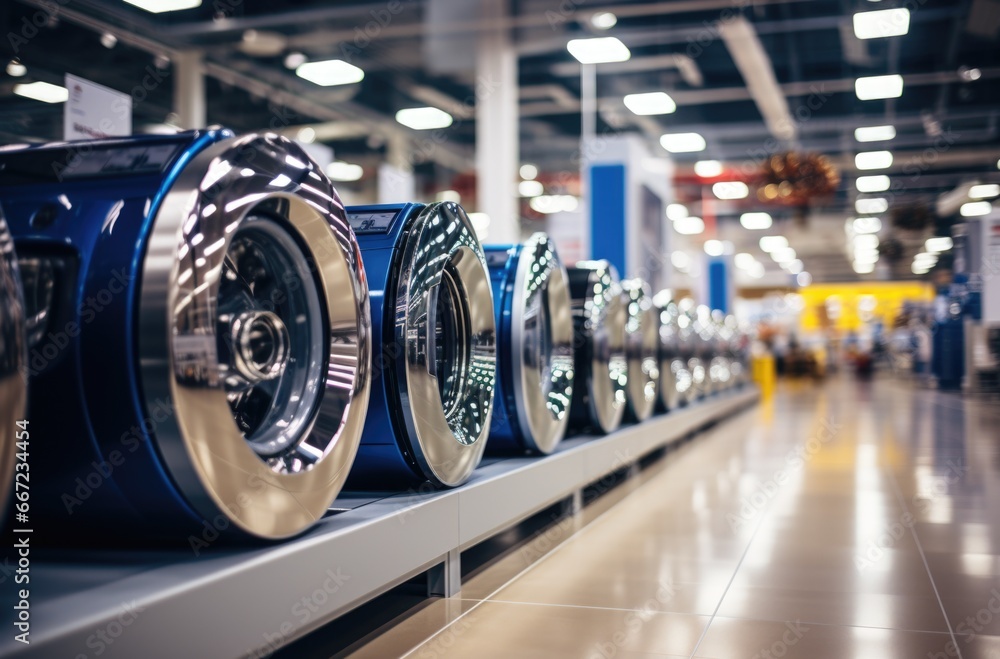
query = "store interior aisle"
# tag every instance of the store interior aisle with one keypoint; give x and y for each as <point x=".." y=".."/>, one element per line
<point x="847" y="519"/>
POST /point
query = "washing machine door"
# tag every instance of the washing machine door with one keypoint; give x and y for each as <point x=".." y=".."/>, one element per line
<point x="642" y="341"/>
<point x="13" y="351"/>
<point x="444" y="321"/>
<point x="254" y="323"/>
<point x="669" y="350"/>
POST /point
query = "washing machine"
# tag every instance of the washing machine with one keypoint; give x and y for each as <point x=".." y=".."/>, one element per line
<point x="642" y="347"/>
<point x="534" y="349"/>
<point x="694" y="348"/>
<point x="720" y="366"/>
<point x="199" y="346"/>
<point x="434" y="370"/>
<point x="599" y="392"/>
<point x="675" y="380"/>
<point x="13" y="381"/>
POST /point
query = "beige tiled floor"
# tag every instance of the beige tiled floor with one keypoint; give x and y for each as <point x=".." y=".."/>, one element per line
<point x="843" y="520"/>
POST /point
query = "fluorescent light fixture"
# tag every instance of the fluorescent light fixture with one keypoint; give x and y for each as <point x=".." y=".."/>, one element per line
<point x="604" y="20"/>
<point x="987" y="191"/>
<point x="547" y="204"/>
<point x="682" y="142"/>
<point x="650" y="103"/>
<point x="708" y="168"/>
<point x="528" y="172"/>
<point x="876" y="87"/>
<point x="863" y="268"/>
<point x="677" y="212"/>
<point x="530" y="188"/>
<point x="689" y="226"/>
<point x="879" y="183"/>
<point x="42" y="91"/>
<point x="160" y="6"/>
<point x="730" y="190"/>
<point x="757" y="271"/>
<point x="773" y="243"/>
<point x="803" y="279"/>
<point x="714" y="247"/>
<point x="426" y="118"/>
<point x="875" y="133"/>
<point x="871" y="206"/>
<point x="783" y="255"/>
<point x="873" y="160"/>
<point x="755" y="221"/>
<point x="15" y="69"/>
<point x="881" y="23"/>
<point x="680" y="260"/>
<point x="976" y="208"/>
<point x="867" y="225"/>
<point x="794" y="267"/>
<point x="866" y="241"/>
<point x="744" y="260"/>
<point x="327" y="73"/>
<point x="599" y="50"/>
<point x="939" y="244"/>
<point x="338" y="170"/>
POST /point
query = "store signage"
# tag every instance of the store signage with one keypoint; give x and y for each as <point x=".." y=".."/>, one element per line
<point x="95" y="111"/>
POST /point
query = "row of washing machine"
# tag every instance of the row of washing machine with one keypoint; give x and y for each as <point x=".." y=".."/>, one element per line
<point x="209" y="339"/>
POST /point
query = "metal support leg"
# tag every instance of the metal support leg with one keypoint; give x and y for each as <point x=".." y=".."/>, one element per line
<point x="574" y="504"/>
<point x="445" y="578"/>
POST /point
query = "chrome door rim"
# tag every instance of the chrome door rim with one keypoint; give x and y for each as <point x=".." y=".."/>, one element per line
<point x="604" y="321"/>
<point x="642" y="339"/>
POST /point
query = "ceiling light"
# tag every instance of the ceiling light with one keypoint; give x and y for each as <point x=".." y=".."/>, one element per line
<point x="530" y="189"/>
<point x="876" y="87"/>
<point x="939" y="244"/>
<point x="987" y="191"/>
<point x="708" y="168"/>
<point x="682" y="142"/>
<point x="773" y="243"/>
<point x="730" y="190"/>
<point x="603" y="20"/>
<point x="677" y="212"/>
<point x="160" y="6"/>
<point x="744" y="260"/>
<point x="528" y="172"/>
<point x="327" y="73"/>
<point x="866" y="241"/>
<point x="783" y="255"/>
<point x="306" y="135"/>
<point x="689" y="226"/>
<point x="426" y="118"/>
<point x="881" y="23"/>
<point x="599" y="50"/>
<point x="650" y="103"/>
<point x="108" y="40"/>
<point x="871" y="206"/>
<point x="15" y="69"/>
<point x="794" y="267"/>
<point x="971" y="209"/>
<point x="863" y="268"/>
<point x="714" y="247"/>
<point x="680" y="260"/>
<point x="803" y="279"/>
<point x="867" y="225"/>
<point x="920" y="269"/>
<point x="866" y="256"/>
<point x="547" y="204"/>
<point x="294" y="60"/>
<point x="338" y="170"/>
<point x="878" y="183"/>
<point x="873" y="160"/>
<point x="42" y="91"/>
<point x="757" y="271"/>
<point x="755" y="221"/>
<point x="875" y="133"/>
<point x="925" y="258"/>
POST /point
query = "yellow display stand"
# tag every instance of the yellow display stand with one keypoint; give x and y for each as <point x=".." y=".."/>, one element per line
<point x="764" y="373"/>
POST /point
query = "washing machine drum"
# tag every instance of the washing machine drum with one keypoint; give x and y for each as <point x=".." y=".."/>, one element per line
<point x="673" y="383"/>
<point x="535" y="356"/>
<point x="435" y="367"/>
<point x="601" y="365"/>
<point x="642" y="343"/>
<point x="13" y="384"/>
<point x="205" y="292"/>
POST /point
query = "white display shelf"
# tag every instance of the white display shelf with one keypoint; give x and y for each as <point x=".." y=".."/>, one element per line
<point x="232" y="602"/>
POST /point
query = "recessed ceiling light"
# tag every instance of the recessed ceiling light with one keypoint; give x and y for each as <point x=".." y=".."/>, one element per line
<point x="677" y="211"/>
<point x="15" y="69"/>
<point x="866" y="241"/>
<point x="528" y="172"/>
<point x="306" y="135"/>
<point x="680" y="260"/>
<point x="327" y="73"/>
<point x="650" y="103"/>
<point x="881" y="23"/>
<point x="599" y="50"/>
<point x="783" y="255"/>
<point x="682" y="142"/>
<point x="878" y="183"/>
<point x="744" y="260"/>
<point x="876" y="87"/>
<point x="873" y="160"/>
<point x="939" y="244"/>
<point x="755" y="221"/>
<point x="338" y="170"/>
<point x="867" y="225"/>
<point x="985" y="191"/>
<point x="42" y="91"/>
<point x="871" y="206"/>
<point x="604" y="20"/>
<point x="160" y="6"/>
<point x="426" y="118"/>
<point x="689" y="226"/>
<point x="730" y="190"/>
<point x="874" y="133"/>
<point x="714" y="247"/>
<point x="974" y="208"/>
<point x="773" y="243"/>
<point x="530" y="188"/>
<point x="109" y="40"/>
<point x="757" y="270"/>
<point x="794" y="267"/>
<point x="708" y="168"/>
<point x="294" y="60"/>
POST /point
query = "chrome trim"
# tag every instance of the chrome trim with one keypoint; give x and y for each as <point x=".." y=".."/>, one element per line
<point x="642" y="340"/>
<point x="671" y="376"/>
<point x="13" y="361"/>
<point x="210" y="460"/>
<point x="441" y="244"/>
<point x="542" y="344"/>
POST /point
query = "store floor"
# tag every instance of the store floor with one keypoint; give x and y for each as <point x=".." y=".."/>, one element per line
<point x="840" y="520"/>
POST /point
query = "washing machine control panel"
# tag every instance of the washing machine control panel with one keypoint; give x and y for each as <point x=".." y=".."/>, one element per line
<point x="372" y="222"/>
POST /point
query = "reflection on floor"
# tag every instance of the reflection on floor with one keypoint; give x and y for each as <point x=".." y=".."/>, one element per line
<point x="840" y="520"/>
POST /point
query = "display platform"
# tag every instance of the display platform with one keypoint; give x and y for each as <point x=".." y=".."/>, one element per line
<point x="229" y="602"/>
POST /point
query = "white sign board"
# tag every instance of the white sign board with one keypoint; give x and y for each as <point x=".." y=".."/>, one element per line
<point x="95" y="111"/>
<point x="395" y="185"/>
